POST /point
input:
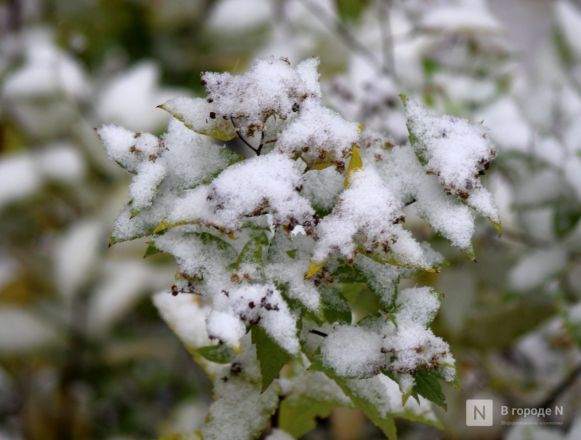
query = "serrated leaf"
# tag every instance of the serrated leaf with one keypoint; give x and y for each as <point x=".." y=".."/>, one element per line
<point x="428" y="386"/>
<point x="297" y="416"/>
<point x="221" y="354"/>
<point x="361" y="400"/>
<point x="253" y="250"/>
<point x="271" y="356"/>
<point x="335" y="306"/>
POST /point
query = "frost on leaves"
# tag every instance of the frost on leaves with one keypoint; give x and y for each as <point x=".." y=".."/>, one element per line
<point x="288" y="243"/>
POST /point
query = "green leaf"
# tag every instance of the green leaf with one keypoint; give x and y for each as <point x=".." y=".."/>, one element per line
<point x="428" y="385"/>
<point x="212" y="239"/>
<point x="252" y="252"/>
<point x="151" y="249"/>
<point x="297" y="415"/>
<point x="221" y="354"/>
<point x="335" y="306"/>
<point x="367" y="398"/>
<point x="271" y="356"/>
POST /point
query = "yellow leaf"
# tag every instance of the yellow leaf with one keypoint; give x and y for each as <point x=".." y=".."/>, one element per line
<point x="498" y="227"/>
<point x="355" y="164"/>
<point x="320" y="165"/>
<point x="313" y="269"/>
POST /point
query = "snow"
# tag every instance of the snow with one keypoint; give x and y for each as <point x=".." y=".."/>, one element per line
<point x="23" y="174"/>
<point x="353" y="351"/>
<point x="384" y="394"/>
<point x="225" y="327"/>
<point x="406" y="177"/>
<point x="322" y="187"/>
<point x="130" y="99"/>
<point x="255" y="304"/>
<point x="568" y="17"/>
<point x="122" y="283"/>
<point x="201" y="116"/>
<point x="321" y="134"/>
<point x="369" y="208"/>
<point x="453" y="149"/>
<point x="144" y="185"/>
<point x="75" y="256"/>
<point x="239" y="411"/>
<point x="61" y="163"/>
<point x="271" y="87"/>
<point x="279" y="434"/>
<point x="417" y="306"/>
<point x="507" y="126"/>
<point x="537" y="267"/>
<point x="22" y="330"/>
<point x="232" y="17"/>
<point x="121" y="145"/>
<point x="263" y="183"/>
<point x="47" y="71"/>
<point x="185" y="316"/>
<point x="298" y="206"/>
<point x="18" y="178"/>
<point x="460" y="19"/>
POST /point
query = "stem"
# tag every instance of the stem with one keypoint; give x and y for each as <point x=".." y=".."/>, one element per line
<point x="256" y="150"/>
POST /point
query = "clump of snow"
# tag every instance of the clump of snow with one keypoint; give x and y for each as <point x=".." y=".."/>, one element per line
<point x="405" y="176"/>
<point x="318" y="134"/>
<point x="353" y="351"/>
<point x="143" y="187"/>
<point x="127" y="148"/>
<point x="255" y="304"/>
<point x="370" y="209"/>
<point x="271" y="87"/>
<point x="254" y="187"/>
<point x="453" y="149"/>
<point x="410" y="345"/>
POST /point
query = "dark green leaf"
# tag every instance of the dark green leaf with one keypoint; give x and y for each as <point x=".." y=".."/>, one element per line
<point x="335" y="306"/>
<point x="252" y="252"/>
<point x="271" y="356"/>
<point x="428" y="386"/>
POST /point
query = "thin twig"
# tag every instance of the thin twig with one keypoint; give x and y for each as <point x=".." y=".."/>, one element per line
<point x="257" y="151"/>
<point x="318" y="333"/>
